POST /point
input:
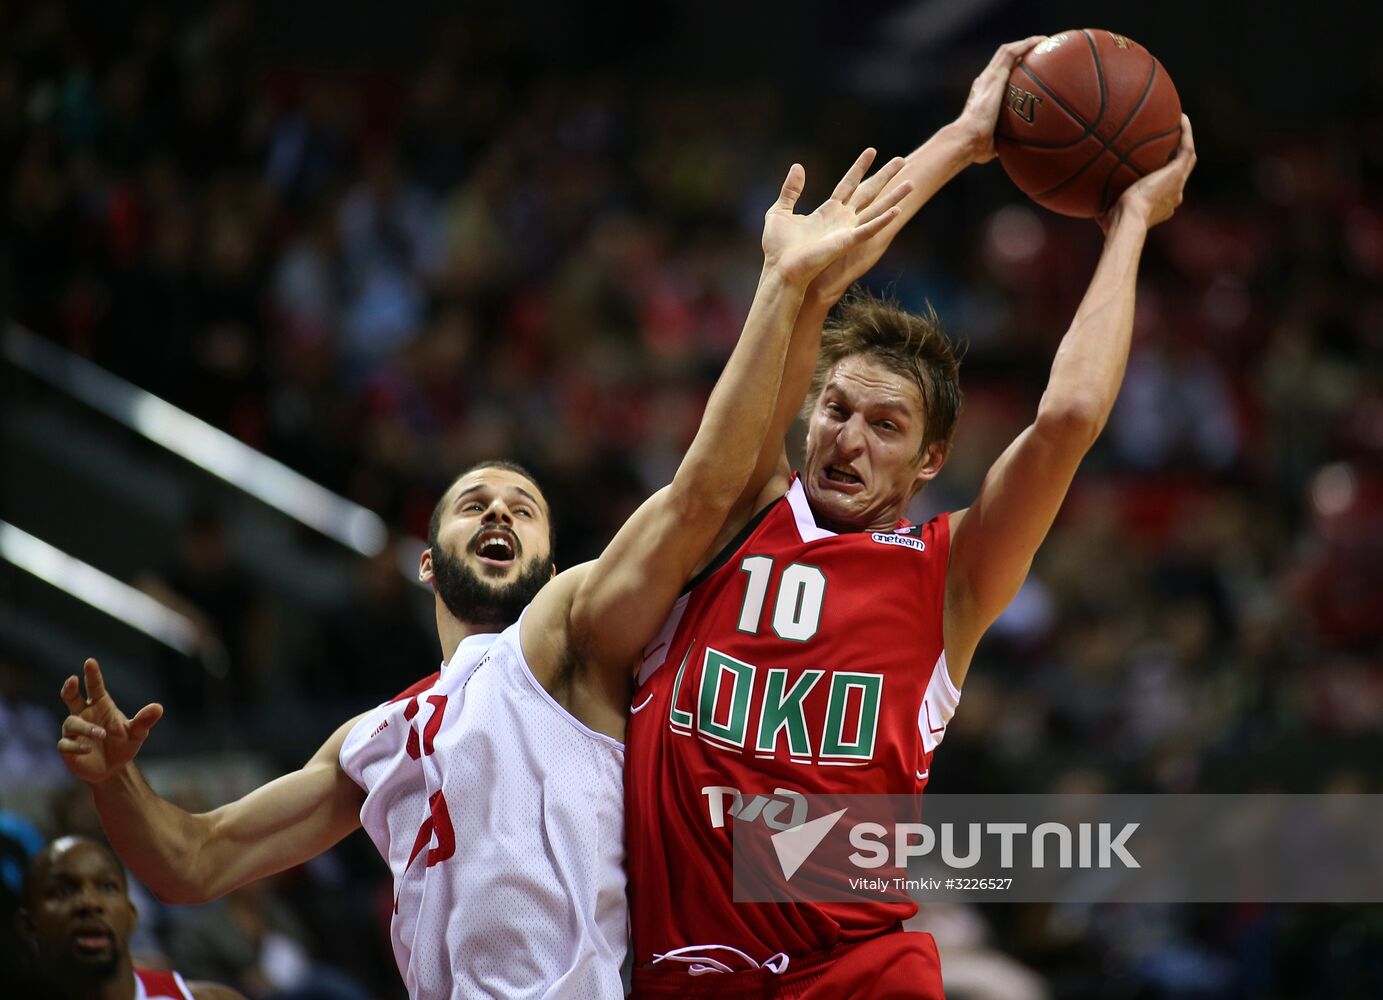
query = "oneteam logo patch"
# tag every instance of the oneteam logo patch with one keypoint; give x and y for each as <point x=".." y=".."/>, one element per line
<point x="889" y="538"/>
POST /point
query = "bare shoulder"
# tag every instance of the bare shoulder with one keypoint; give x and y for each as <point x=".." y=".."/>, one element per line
<point x="213" y="991"/>
<point x="544" y="633"/>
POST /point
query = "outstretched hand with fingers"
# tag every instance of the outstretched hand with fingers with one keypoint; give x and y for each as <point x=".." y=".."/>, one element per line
<point x="800" y="247"/>
<point x="850" y="266"/>
<point x="97" y="738"/>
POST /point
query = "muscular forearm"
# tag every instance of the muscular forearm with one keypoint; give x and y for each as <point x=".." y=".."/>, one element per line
<point x="993" y="542"/>
<point x="187" y="858"/>
<point x="803" y="349"/>
<point x="1089" y="364"/>
<point x="159" y="841"/>
<point x="620" y="603"/>
<point x="929" y="167"/>
<point x="727" y="445"/>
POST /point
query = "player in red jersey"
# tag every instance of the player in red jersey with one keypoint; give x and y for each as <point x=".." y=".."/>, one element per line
<point x="823" y="650"/>
<point x="78" y="917"/>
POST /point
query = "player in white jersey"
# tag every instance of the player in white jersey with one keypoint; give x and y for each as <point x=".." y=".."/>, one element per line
<point x="550" y="835"/>
<point x="494" y="789"/>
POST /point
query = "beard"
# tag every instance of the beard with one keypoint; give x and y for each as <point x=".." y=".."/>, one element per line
<point x="83" y="973"/>
<point x="101" y="969"/>
<point x="477" y="601"/>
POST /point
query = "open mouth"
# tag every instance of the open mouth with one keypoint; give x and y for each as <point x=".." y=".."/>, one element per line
<point x="841" y="479"/>
<point x="496" y="547"/>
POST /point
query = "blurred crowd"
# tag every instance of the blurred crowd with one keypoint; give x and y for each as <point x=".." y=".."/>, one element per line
<point x="380" y="274"/>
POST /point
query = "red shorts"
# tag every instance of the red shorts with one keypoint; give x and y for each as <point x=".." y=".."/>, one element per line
<point x="889" y="967"/>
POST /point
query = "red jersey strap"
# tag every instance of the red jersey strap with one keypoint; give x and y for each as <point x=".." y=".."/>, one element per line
<point x="937" y="534"/>
<point x="157" y="984"/>
<point x="731" y="547"/>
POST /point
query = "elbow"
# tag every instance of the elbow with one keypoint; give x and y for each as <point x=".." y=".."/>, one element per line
<point x="180" y="887"/>
<point x="180" y="893"/>
<point x="184" y="879"/>
<point x="1073" y="423"/>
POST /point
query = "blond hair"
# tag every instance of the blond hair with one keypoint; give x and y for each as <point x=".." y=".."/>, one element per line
<point x="908" y="344"/>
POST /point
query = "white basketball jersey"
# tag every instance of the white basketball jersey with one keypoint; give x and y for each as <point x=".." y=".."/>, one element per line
<point x="502" y="819"/>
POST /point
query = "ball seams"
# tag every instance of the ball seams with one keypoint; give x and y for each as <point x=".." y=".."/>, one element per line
<point x="1119" y="163"/>
<point x="1139" y="145"/>
<point x="1125" y="159"/>
<point x="1088" y="126"/>
<point x="1099" y="76"/>
<point x="1108" y="143"/>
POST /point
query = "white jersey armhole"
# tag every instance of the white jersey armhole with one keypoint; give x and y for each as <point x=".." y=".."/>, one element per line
<point x="513" y="635"/>
<point x="807" y="528"/>
<point x="655" y="653"/>
<point x="938" y="705"/>
<point x="182" y="984"/>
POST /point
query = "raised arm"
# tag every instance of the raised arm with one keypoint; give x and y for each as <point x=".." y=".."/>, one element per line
<point x="994" y="541"/>
<point x="926" y="170"/>
<point x="629" y="591"/>
<point x="190" y="858"/>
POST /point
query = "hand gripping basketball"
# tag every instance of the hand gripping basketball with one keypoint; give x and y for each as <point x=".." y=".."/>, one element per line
<point x="980" y="116"/>
<point x="1155" y="197"/>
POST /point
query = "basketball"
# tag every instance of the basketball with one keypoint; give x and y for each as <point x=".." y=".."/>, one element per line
<point x="1087" y="113"/>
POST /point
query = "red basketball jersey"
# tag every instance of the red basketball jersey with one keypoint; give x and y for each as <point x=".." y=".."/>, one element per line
<point x="801" y="661"/>
<point x="159" y="984"/>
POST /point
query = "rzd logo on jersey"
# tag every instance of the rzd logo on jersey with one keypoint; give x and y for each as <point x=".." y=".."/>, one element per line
<point x="719" y="712"/>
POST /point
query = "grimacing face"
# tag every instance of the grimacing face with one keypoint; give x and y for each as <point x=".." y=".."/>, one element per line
<point x="863" y="438"/>
<point x="81" y="915"/>
<point x="495" y="546"/>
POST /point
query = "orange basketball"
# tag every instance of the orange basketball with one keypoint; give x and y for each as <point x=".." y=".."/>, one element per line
<point x="1087" y="113"/>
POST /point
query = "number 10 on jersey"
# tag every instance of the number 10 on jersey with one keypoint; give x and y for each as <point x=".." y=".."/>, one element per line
<point x="796" y="605"/>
